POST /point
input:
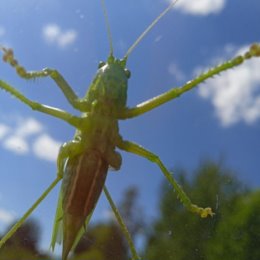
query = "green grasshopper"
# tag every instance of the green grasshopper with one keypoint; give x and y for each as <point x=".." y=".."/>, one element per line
<point x="83" y="163"/>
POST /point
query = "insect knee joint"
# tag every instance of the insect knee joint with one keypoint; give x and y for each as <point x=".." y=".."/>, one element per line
<point x="50" y="72"/>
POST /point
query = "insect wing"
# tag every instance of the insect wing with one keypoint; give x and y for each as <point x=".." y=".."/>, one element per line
<point x="83" y="180"/>
<point x="57" y="231"/>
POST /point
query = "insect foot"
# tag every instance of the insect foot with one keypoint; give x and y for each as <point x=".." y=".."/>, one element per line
<point x="203" y="212"/>
<point x="255" y="50"/>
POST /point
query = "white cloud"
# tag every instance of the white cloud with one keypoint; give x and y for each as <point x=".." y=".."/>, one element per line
<point x="200" y="7"/>
<point x="16" y="144"/>
<point x="175" y="71"/>
<point x="46" y="147"/>
<point x="53" y="34"/>
<point x="6" y="217"/>
<point x="28" y="127"/>
<point x="235" y="94"/>
<point x="4" y="129"/>
<point x="18" y="139"/>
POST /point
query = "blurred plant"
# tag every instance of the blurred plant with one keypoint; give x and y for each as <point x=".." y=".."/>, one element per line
<point x="176" y="234"/>
<point x="23" y="245"/>
<point x="238" y="234"/>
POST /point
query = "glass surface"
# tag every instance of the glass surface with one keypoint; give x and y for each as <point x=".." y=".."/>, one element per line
<point x="215" y="126"/>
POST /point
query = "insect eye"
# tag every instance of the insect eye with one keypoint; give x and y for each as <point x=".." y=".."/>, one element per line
<point x="101" y="64"/>
<point x="127" y="73"/>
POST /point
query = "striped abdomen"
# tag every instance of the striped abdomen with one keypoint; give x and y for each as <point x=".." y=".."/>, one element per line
<point x="83" y="181"/>
<point x="85" y="175"/>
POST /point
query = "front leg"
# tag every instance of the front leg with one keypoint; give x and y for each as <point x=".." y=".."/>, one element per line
<point x="54" y="74"/>
<point x="139" y="150"/>
<point x="254" y="51"/>
<point x="72" y="120"/>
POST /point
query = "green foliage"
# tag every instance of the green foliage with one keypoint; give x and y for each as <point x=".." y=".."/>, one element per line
<point x="23" y="245"/>
<point x="15" y="253"/>
<point x="26" y="237"/>
<point x="102" y="242"/>
<point x="131" y="212"/>
<point x="238" y="235"/>
<point x="177" y="234"/>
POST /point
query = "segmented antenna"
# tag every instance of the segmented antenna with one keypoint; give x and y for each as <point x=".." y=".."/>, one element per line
<point x="109" y="35"/>
<point x="148" y="29"/>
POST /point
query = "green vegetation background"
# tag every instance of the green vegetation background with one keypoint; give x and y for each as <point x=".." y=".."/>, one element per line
<point x="233" y="233"/>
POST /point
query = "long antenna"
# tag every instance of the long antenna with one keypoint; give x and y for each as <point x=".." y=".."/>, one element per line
<point x="148" y="29"/>
<point x="109" y="35"/>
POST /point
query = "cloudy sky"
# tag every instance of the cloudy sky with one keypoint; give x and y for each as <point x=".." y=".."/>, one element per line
<point x="220" y="120"/>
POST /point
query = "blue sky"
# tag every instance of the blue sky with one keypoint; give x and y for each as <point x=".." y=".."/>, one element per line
<point x="220" y="119"/>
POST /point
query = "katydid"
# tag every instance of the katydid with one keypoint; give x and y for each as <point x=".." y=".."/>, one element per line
<point x="83" y="163"/>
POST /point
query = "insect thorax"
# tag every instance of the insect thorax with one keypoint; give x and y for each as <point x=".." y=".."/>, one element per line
<point x="101" y="134"/>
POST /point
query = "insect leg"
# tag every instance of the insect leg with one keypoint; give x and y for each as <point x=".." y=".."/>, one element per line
<point x="68" y="149"/>
<point x="73" y="120"/>
<point x="139" y="150"/>
<point x="254" y="51"/>
<point x="122" y="224"/>
<point x="28" y="212"/>
<point x="68" y="92"/>
<point x="54" y="74"/>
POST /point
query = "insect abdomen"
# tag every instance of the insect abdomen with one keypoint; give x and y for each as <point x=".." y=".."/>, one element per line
<point x="83" y="182"/>
<point x="87" y="176"/>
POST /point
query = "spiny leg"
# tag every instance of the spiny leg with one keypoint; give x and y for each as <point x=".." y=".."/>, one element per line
<point x="122" y="225"/>
<point x="47" y="72"/>
<point x="28" y="212"/>
<point x="254" y="51"/>
<point x="139" y="150"/>
<point x="73" y="120"/>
